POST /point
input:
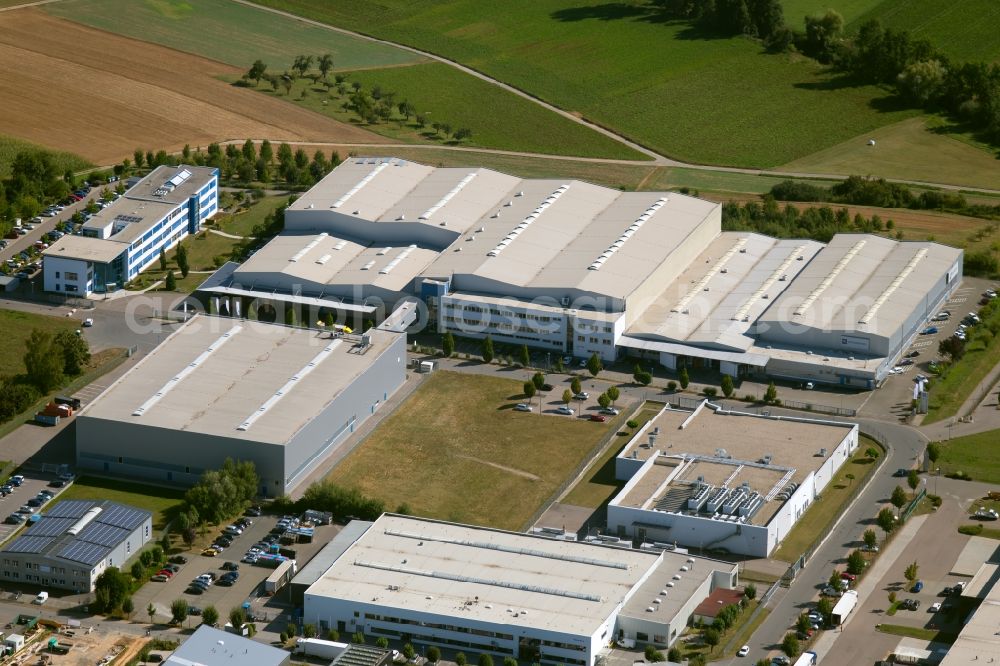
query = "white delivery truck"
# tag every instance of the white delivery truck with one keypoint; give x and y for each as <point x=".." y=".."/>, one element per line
<point x="806" y="659"/>
<point x="844" y="607"/>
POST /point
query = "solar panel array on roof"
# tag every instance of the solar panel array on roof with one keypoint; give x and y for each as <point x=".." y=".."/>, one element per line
<point x="103" y="535"/>
<point x="70" y="509"/>
<point x="83" y="552"/>
<point x="122" y="516"/>
<point x="49" y="526"/>
<point x="29" y="544"/>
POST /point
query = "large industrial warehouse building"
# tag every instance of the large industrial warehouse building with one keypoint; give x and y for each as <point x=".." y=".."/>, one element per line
<point x="709" y="478"/>
<point x="508" y="594"/>
<point x="217" y="388"/>
<point x="579" y="269"/>
<point x="73" y="543"/>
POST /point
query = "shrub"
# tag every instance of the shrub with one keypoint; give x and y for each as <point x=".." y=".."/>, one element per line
<point x="710" y="391"/>
<point x="671" y="385"/>
<point x="960" y="475"/>
<point x="971" y="530"/>
<point x="632" y="424"/>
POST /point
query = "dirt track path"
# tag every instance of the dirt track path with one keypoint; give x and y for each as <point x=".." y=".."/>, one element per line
<point x="656" y="158"/>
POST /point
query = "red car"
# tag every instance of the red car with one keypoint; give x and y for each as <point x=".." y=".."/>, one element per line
<point x="598" y="418"/>
<point x="848" y="576"/>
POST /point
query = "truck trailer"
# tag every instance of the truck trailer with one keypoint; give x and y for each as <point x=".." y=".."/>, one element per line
<point x="844" y="607"/>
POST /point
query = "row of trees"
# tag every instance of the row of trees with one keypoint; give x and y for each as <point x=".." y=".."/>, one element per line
<point x="819" y="223"/>
<point x="754" y="18"/>
<point x="868" y="191"/>
<point x="113" y="588"/>
<point x="35" y="180"/>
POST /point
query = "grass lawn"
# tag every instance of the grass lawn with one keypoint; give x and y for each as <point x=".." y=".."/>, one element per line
<point x="161" y="502"/>
<point x="977" y="455"/>
<point x="17" y="327"/>
<point x="456" y="450"/>
<point x="243" y="222"/>
<point x="948" y="392"/>
<point x="663" y="83"/>
<point x="229" y="32"/>
<point x="965" y="30"/>
<point x="497" y="118"/>
<point x="819" y="517"/>
<point x="797" y="10"/>
<point x="917" y="632"/>
<point x="598" y="484"/>
<point x="979" y="529"/>
<point x="10" y="147"/>
<point x="915" y="149"/>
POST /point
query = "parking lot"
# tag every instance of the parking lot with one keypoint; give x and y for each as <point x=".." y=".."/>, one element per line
<point x="249" y="586"/>
<point x="28" y="489"/>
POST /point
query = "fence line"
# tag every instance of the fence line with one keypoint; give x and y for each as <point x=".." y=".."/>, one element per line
<point x="688" y="402"/>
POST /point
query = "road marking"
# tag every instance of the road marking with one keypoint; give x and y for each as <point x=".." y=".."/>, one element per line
<point x="958" y="300"/>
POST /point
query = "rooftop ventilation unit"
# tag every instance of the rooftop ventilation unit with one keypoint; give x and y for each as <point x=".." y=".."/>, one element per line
<point x="828" y="280"/>
<point x="304" y="251"/>
<point x="340" y="245"/>
<point x="702" y="284"/>
<point x="322" y="260"/>
<point x="779" y="274"/>
<point x="447" y="197"/>
<point x="368" y="266"/>
<point x="632" y="228"/>
<point x="884" y="296"/>
<point x="357" y="188"/>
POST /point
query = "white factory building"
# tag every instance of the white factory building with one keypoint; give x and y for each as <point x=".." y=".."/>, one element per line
<point x="123" y="239"/>
<point x="483" y="590"/>
<point x="576" y="268"/>
<point x="711" y="478"/>
<point x="217" y="388"/>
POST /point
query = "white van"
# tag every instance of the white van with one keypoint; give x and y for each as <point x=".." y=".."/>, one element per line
<point x="41" y="598"/>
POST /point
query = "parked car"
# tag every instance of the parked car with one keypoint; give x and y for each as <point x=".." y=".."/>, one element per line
<point x="930" y="330"/>
<point x="582" y="395"/>
<point x="934" y="608"/>
<point x="610" y="411"/>
<point x="194" y="610"/>
<point x="743" y="651"/>
<point x="230" y="566"/>
<point x="178" y="559"/>
<point x="919" y="585"/>
<point x="848" y="576"/>
<point x="17" y="480"/>
<point x="522" y="407"/>
<point x="159" y="578"/>
<point x="254" y="511"/>
<point x="564" y="410"/>
<point x="598" y="417"/>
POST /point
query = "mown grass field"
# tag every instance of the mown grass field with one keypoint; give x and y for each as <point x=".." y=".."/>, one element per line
<point x="947" y="393"/>
<point x="456" y="450"/>
<point x="243" y="223"/>
<point x="498" y="119"/>
<point x="159" y="501"/>
<point x="910" y="149"/>
<point x="10" y="147"/>
<point x="688" y="95"/>
<point x="17" y="327"/>
<point x="228" y="32"/>
<point x="976" y="455"/>
<point x="797" y="10"/>
<point x="963" y="29"/>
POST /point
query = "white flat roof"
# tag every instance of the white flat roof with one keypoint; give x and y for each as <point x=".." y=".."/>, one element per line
<point x="85" y="248"/>
<point x="437" y="568"/>
<point x="237" y="378"/>
<point x="862" y="282"/>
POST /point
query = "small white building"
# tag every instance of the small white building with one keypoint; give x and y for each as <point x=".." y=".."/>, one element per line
<point x="483" y="590"/>
<point x="14" y="642"/>
<point x="717" y="479"/>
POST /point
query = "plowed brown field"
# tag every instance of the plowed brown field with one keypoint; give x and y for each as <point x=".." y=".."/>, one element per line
<point x="99" y="95"/>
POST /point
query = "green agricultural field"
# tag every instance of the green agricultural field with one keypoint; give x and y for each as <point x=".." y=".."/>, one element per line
<point x="685" y="94"/>
<point x="228" y="31"/>
<point x="17" y="327"/>
<point x="909" y="149"/>
<point x="962" y="29"/>
<point x="10" y="147"/>
<point x="797" y="10"/>
<point x="159" y="501"/>
<point x="498" y="119"/>
<point x="456" y="450"/>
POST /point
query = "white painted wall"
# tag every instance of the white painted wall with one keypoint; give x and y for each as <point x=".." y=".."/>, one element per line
<point x="67" y="276"/>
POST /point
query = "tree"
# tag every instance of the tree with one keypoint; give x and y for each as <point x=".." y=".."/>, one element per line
<point x="128" y="607"/>
<point x="750" y="591"/>
<point x="163" y="259"/>
<point x="594" y="364"/>
<point x="871" y="452"/>
<point x="922" y="82"/>
<point x="485" y="660"/>
<point x="137" y="570"/>
<point x="43" y="365"/>
<point x="790" y="645"/>
<point x="181" y="257"/>
<point x="870" y="538"/>
<point x="358" y="638"/>
<point x="487" y="349"/>
<point x="75" y="352"/>
<point x="822" y="32"/>
<point x="178" y="610"/>
<point x="892" y="597"/>
<point x="408" y="651"/>
<point x="210" y="616"/>
<point x="771" y="394"/>
<point x="803" y="624"/>
<point x="115" y="586"/>
<point x="575" y="385"/>
<point x="911" y="571"/>
<point x="325" y="64"/>
<point x="898" y="498"/>
<point x="461" y="659"/>
<point x="529" y="390"/>
<point x="538" y="379"/>
<point x="525" y="356"/>
<point x="683" y="378"/>
<point x="641" y="376"/>
<point x="614" y="393"/>
<point x="886" y="520"/>
<point x="171" y="284"/>
<point x="952" y="347"/>
<point x="447" y="344"/>
<point x="249" y="151"/>
<point x="509" y="661"/>
<point x="913" y="479"/>
<point x="137" y="157"/>
<point x="151" y="612"/>
<point x="603" y="400"/>
<point x="855" y="562"/>
<point x="711" y="637"/>
<point x="675" y="655"/>
<point x="933" y="452"/>
<point x="238" y="617"/>
<point x="433" y="654"/>
<point x="256" y="71"/>
<point x="726" y="385"/>
<point x="653" y="655"/>
<point x="825" y="608"/>
<point x="567" y="396"/>
<point x="308" y="630"/>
